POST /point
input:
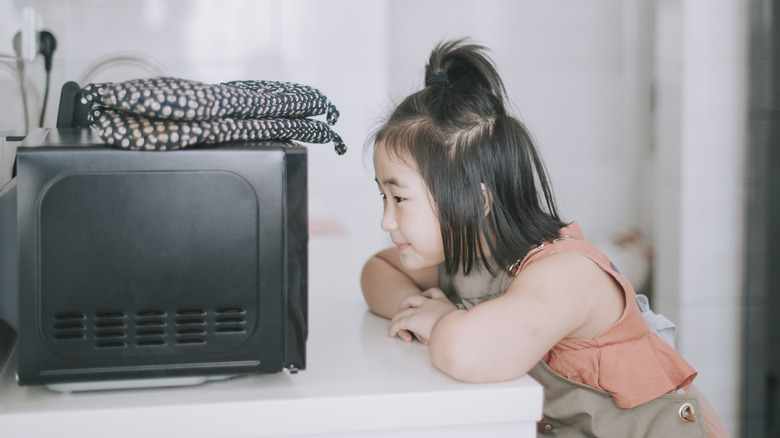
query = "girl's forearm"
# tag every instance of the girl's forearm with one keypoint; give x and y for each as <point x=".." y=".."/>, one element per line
<point x="462" y="352"/>
<point x="385" y="287"/>
<point x="477" y="346"/>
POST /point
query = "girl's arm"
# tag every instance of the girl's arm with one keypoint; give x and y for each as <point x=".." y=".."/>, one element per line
<point x="386" y="283"/>
<point x="558" y="296"/>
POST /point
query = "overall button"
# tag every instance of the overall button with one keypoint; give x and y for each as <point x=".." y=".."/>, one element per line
<point x="687" y="413"/>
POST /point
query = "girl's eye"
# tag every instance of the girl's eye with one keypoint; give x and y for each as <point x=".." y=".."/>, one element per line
<point x="398" y="199"/>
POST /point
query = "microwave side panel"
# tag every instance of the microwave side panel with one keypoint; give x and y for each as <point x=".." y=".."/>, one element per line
<point x="296" y="325"/>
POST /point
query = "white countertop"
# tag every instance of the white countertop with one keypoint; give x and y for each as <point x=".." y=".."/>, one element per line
<point x="358" y="382"/>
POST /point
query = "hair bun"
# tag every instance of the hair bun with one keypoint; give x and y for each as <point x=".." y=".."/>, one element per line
<point x="467" y="70"/>
<point x="440" y="77"/>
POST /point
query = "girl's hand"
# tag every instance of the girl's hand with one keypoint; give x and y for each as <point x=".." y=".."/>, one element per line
<point x="419" y="314"/>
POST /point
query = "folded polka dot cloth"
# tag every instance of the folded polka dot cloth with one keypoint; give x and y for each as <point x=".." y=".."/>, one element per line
<point x="166" y="113"/>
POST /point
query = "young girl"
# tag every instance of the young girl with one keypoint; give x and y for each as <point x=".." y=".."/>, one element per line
<point x="487" y="275"/>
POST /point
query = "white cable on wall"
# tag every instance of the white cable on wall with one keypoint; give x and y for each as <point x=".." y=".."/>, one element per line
<point x="11" y="62"/>
<point x="122" y="58"/>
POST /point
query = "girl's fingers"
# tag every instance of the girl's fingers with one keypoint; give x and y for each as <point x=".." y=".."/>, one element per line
<point x="434" y="293"/>
<point x="395" y="324"/>
<point x="402" y="334"/>
<point x="398" y="325"/>
<point x="401" y="315"/>
<point x="407" y="336"/>
<point x="413" y="301"/>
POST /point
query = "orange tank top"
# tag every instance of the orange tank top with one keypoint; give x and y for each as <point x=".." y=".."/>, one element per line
<point x="627" y="360"/>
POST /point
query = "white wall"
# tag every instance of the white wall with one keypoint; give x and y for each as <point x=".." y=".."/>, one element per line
<point x="580" y="75"/>
<point x="700" y="189"/>
<point x="564" y="64"/>
<point x="571" y="69"/>
<point x="325" y="44"/>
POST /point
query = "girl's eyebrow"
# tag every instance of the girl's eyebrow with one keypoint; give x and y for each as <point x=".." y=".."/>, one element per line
<point x="389" y="181"/>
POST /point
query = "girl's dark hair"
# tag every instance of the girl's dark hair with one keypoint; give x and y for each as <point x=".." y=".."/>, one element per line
<point x="458" y="133"/>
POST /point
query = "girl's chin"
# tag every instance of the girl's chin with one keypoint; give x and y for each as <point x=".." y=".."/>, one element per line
<point x="413" y="263"/>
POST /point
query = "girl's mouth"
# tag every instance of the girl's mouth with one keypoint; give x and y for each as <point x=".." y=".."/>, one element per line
<point x="401" y="246"/>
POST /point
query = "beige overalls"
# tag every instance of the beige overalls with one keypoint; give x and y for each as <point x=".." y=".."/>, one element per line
<point x="649" y="391"/>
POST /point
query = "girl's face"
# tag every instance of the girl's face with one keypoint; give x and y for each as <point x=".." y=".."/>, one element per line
<point x="409" y="215"/>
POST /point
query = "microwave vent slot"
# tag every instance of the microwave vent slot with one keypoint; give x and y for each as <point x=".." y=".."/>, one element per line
<point x="69" y="326"/>
<point x="149" y="328"/>
<point x="230" y="320"/>
<point x="110" y="329"/>
<point x="191" y="326"/>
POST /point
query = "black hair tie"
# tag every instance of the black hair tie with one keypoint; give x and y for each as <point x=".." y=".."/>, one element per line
<point x="438" y="78"/>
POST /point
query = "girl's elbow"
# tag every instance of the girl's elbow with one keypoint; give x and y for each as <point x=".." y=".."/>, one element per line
<point x="466" y="356"/>
<point x="452" y="355"/>
<point x="475" y="368"/>
<point x="370" y="286"/>
<point x="454" y="364"/>
<point x="461" y="372"/>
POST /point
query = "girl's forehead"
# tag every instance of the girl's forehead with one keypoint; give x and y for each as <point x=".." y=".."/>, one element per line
<point x="392" y="169"/>
<point x="387" y="158"/>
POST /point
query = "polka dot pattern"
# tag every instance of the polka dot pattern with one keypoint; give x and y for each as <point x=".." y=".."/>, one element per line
<point x="132" y="131"/>
<point x="167" y="113"/>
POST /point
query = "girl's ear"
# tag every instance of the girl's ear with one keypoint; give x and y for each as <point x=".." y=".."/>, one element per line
<point x="486" y="199"/>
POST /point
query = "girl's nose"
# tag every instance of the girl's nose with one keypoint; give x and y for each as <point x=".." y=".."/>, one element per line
<point x="388" y="220"/>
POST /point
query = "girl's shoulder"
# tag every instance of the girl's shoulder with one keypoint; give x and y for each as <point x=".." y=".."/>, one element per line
<point x="571" y="240"/>
<point x="575" y="274"/>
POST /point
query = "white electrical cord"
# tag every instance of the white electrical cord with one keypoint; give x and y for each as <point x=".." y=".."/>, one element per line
<point x="15" y="65"/>
<point x="18" y="71"/>
<point x="122" y="58"/>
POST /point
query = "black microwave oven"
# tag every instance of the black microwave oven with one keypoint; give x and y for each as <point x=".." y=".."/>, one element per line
<point x="123" y="266"/>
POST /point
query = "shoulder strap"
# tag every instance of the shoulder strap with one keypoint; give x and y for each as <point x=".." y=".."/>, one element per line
<point x="565" y="243"/>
